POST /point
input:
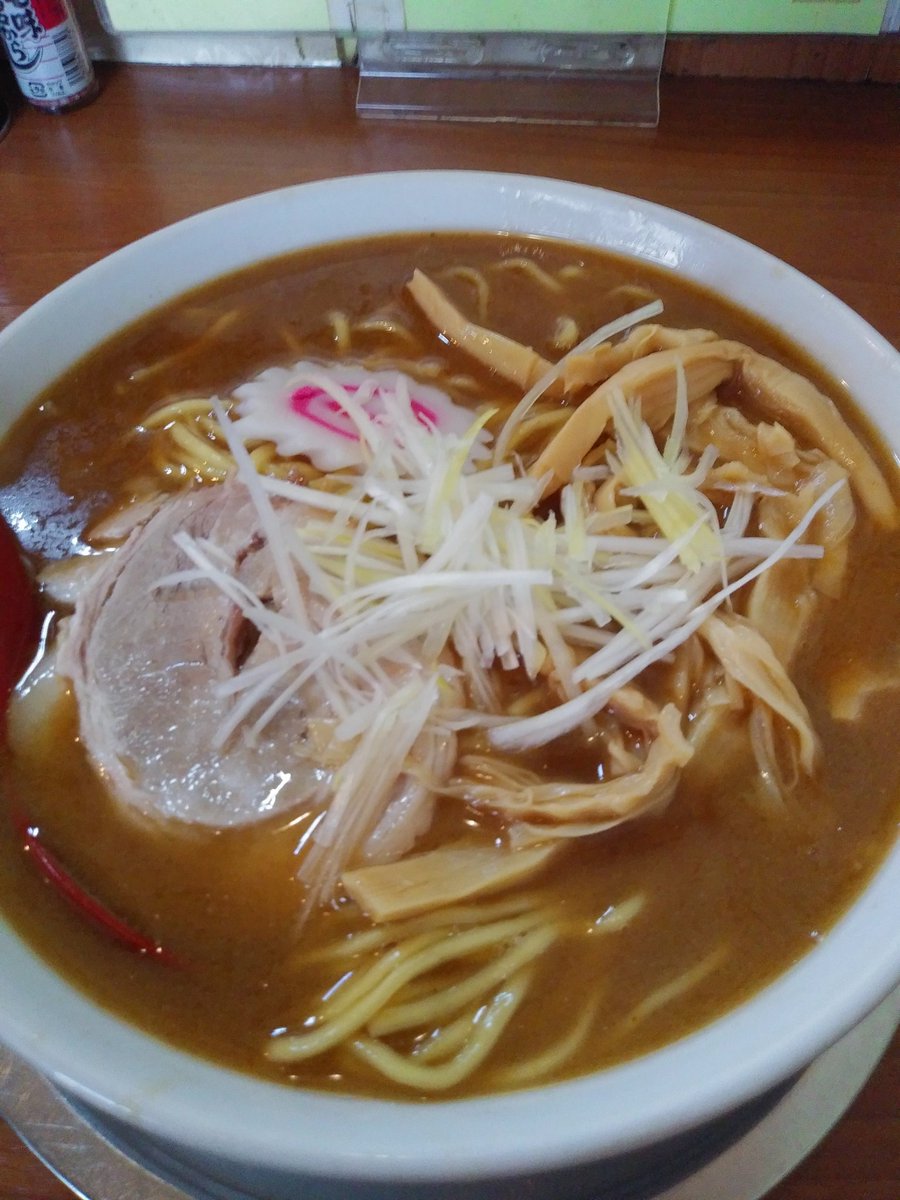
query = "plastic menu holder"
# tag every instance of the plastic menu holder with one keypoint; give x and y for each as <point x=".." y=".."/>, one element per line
<point x="554" y="78"/>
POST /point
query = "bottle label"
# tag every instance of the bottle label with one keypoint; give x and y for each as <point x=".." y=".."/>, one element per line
<point x="49" y="13"/>
<point x="45" y="49"/>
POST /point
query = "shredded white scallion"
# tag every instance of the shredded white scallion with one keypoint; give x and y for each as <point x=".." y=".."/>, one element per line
<point x="424" y="549"/>
<point x="431" y="565"/>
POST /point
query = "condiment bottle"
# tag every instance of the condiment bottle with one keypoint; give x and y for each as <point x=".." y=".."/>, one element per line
<point x="47" y="53"/>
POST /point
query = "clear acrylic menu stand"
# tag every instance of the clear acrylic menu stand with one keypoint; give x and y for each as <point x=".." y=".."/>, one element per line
<point x="553" y="78"/>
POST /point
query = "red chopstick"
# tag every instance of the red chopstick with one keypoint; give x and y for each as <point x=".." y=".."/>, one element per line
<point x="20" y="616"/>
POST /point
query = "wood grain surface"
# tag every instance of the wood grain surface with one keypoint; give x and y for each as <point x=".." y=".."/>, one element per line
<point x="809" y="171"/>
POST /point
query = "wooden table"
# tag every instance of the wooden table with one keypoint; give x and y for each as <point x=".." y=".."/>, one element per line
<point x="808" y="171"/>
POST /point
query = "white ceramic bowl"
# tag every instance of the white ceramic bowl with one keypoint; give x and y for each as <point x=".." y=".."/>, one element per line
<point x="220" y="1117"/>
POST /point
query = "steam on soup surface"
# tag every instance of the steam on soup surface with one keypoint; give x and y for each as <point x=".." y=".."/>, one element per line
<point x="445" y="743"/>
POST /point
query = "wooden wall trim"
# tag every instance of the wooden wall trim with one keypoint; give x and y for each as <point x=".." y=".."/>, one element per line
<point x="778" y="56"/>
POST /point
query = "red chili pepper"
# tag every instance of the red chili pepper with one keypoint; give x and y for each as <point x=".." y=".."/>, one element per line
<point x="19" y="616"/>
<point x="83" y="902"/>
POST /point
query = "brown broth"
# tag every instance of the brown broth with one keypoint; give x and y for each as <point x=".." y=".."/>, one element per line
<point x="716" y="870"/>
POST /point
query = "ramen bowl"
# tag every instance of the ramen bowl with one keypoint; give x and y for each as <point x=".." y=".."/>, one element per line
<point x="625" y="1130"/>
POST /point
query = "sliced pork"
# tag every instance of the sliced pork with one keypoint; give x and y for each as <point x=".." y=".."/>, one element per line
<point x="146" y="660"/>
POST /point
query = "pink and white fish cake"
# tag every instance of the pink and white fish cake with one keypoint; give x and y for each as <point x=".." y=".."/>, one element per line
<point x="314" y="410"/>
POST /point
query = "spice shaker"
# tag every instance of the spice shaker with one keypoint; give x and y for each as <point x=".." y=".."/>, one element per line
<point x="47" y="53"/>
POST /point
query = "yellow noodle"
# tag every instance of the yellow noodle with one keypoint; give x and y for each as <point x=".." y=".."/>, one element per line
<point x="263" y="456"/>
<point x="524" y="705"/>
<point x="359" y="1000"/>
<point x="386" y="325"/>
<point x="329" y="483"/>
<point x="478" y="282"/>
<point x="177" y="467"/>
<point x="428" y="368"/>
<point x="382" y="979"/>
<point x="340" y="330"/>
<point x="539" y="1066"/>
<point x="445" y="1003"/>
<point x="349" y="945"/>
<point x="597" y="456"/>
<point x="186" y="352"/>
<point x="290" y="340"/>
<point x="619" y="915"/>
<point x="140" y="488"/>
<point x="444" y="1041"/>
<point x="528" y="267"/>
<point x="566" y="333"/>
<point x="198" y="446"/>
<point x="361" y="985"/>
<point x="447" y="918"/>
<point x="501" y="412"/>
<point x="424" y="985"/>
<point x="200" y="449"/>
<point x="208" y="425"/>
<point x="676" y="987"/>
<point x="429" y="949"/>
<point x="176" y="410"/>
<point x="268" y="461"/>
<point x="163" y="465"/>
<point x="465" y="383"/>
<point x="632" y="294"/>
<point x="542" y="423"/>
<point x="487" y="1027"/>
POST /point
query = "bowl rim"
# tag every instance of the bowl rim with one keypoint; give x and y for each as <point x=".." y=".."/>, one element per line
<point x="782" y="1028"/>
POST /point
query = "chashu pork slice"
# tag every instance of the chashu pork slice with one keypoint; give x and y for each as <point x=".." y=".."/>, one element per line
<point x="145" y="661"/>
